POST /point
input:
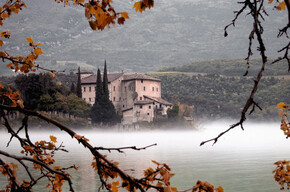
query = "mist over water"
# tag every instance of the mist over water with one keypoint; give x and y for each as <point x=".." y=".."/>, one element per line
<point x="239" y="161"/>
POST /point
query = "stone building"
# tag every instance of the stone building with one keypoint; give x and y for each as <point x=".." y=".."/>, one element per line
<point x="136" y="97"/>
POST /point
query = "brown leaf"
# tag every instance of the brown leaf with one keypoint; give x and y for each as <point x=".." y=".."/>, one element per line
<point x="121" y="20"/>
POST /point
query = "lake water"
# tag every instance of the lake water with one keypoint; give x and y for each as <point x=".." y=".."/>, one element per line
<point x="241" y="161"/>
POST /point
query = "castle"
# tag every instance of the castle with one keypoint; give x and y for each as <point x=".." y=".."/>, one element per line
<point x="136" y="97"/>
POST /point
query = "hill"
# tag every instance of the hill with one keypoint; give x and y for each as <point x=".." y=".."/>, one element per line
<point x="173" y="33"/>
<point x="217" y="97"/>
<point x="231" y="67"/>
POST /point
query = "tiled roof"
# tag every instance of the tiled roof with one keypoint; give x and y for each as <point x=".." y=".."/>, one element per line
<point x="143" y="102"/>
<point x="159" y="100"/>
<point x="139" y="76"/>
<point x="93" y="78"/>
<point x="86" y="72"/>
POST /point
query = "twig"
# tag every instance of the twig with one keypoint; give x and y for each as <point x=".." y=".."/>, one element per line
<point x="120" y="149"/>
<point x="20" y="158"/>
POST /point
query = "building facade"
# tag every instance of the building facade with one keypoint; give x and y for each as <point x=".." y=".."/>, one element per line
<point x="136" y="97"/>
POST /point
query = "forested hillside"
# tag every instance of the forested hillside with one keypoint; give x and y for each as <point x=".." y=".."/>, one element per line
<point x="231" y="67"/>
<point x="217" y="97"/>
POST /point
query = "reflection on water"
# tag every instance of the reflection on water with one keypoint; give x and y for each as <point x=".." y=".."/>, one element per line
<point x="240" y="161"/>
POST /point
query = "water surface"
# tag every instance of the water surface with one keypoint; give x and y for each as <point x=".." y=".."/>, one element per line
<point x="241" y="161"/>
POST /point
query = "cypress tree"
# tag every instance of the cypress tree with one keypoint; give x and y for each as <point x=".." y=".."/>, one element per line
<point x="110" y="115"/>
<point x="103" y="110"/>
<point x="105" y="82"/>
<point x="99" y="89"/>
<point x="97" y="109"/>
<point x="72" y="88"/>
<point x="79" y="86"/>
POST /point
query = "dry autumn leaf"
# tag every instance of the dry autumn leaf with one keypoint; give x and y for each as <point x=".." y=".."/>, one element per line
<point x="29" y="40"/>
<point x="78" y="137"/>
<point x="219" y="189"/>
<point x="38" y="51"/>
<point x="125" y="15"/>
<point x="53" y="139"/>
<point x="282" y="6"/>
<point x="281" y="105"/>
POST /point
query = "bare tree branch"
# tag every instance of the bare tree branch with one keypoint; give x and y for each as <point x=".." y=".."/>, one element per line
<point x="257" y="30"/>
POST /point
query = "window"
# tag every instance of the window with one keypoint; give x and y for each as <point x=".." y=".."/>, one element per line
<point x="141" y="80"/>
<point x="148" y="113"/>
<point x="152" y="88"/>
<point x="149" y="106"/>
<point x="90" y="89"/>
<point x="144" y="88"/>
<point x="119" y="98"/>
<point x="114" y="98"/>
<point x="84" y="99"/>
<point x="114" y="88"/>
<point x="140" y="98"/>
<point x="123" y="106"/>
<point x="84" y="89"/>
<point x="157" y="89"/>
<point x="90" y="99"/>
<point x="141" y="106"/>
<point x="125" y="89"/>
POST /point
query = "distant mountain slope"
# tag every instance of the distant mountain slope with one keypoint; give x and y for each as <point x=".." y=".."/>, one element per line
<point x="173" y="33"/>
<point x="219" y="97"/>
<point x="231" y="67"/>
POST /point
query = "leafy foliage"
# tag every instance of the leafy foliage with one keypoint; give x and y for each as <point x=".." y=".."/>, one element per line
<point x="229" y="67"/>
<point x="173" y="112"/>
<point x="282" y="170"/>
<point x="41" y="92"/>
<point x="214" y="96"/>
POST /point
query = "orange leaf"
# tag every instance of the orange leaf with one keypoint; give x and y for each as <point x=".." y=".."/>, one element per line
<point x="282" y="5"/>
<point x="29" y="40"/>
<point x="166" y="178"/>
<point x="38" y="51"/>
<point x="125" y="15"/>
<point x="155" y="162"/>
<point x="9" y="65"/>
<point x="281" y="105"/>
<point x="3" y="54"/>
<point x="139" y="6"/>
<point x="93" y="25"/>
<point x="174" y="189"/>
<point x="1" y="43"/>
<point x="53" y="139"/>
<point x="57" y="167"/>
<point x="75" y="167"/>
<point x="4" y="15"/>
<point x="78" y="137"/>
<point x="219" y="189"/>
